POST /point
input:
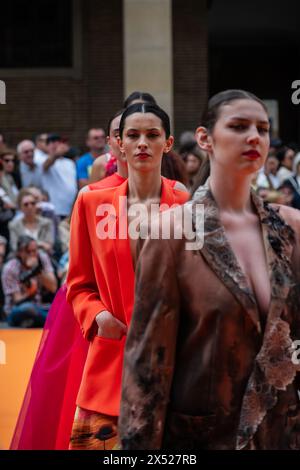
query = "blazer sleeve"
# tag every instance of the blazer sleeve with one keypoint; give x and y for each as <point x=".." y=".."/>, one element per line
<point x="150" y="349"/>
<point x="82" y="289"/>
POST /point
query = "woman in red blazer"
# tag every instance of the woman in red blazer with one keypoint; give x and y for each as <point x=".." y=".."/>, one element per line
<point x="45" y="422"/>
<point x="101" y="272"/>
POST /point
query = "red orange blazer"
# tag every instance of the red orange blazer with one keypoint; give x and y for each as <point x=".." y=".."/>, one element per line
<point x="101" y="277"/>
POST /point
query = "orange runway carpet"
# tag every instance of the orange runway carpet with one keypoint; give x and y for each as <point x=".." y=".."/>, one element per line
<point x="18" y="348"/>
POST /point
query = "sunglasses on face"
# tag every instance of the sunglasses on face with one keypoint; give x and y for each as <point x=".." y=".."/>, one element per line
<point x="29" y="203"/>
<point x="7" y="160"/>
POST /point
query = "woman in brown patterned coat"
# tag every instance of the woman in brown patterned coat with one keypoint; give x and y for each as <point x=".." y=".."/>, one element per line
<point x="211" y="359"/>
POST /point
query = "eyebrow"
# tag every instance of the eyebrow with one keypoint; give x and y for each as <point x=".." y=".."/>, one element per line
<point x="151" y="129"/>
<point x="239" y="118"/>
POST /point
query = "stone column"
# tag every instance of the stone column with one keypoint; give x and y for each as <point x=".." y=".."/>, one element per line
<point x="148" y="49"/>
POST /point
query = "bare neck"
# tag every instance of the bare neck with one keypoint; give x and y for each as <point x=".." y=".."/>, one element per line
<point x="231" y="192"/>
<point x="122" y="169"/>
<point x="30" y="219"/>
<point x="143" y="186"/>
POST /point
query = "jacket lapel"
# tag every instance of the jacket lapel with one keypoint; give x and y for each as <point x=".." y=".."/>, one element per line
<point x="273" y="368"/>
<point x="121" y="243"/>
<point x="122" y="251"/>
<point x="220" y="257"/>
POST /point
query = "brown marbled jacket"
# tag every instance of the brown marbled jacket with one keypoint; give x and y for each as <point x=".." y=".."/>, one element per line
<point x="202" y="369"/>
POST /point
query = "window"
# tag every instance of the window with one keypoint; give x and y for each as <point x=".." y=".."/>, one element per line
<point x="36" y="34"/>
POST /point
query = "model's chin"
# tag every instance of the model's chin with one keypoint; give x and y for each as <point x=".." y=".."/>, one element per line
<point x="253" y="165"/>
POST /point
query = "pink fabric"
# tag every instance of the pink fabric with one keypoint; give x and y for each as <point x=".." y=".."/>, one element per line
<point x="47" y="413"/>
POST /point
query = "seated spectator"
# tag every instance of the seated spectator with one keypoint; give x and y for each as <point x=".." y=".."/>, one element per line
<point x="26" y="279"/>
<point x="285" y="156"/>
<point x="31" y="172"/>
<point x="287" y="195"/>
<point x="267" y="178"/>
<point x="95" y="142"/>
<point x="7" y="182"/>
<point x="31" y="224"/>
<point x="59" y="176"/>
<point x="7" y="207"/>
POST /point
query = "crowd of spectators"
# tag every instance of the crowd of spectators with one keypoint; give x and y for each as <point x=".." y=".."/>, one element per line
<point x="39" y="182"/>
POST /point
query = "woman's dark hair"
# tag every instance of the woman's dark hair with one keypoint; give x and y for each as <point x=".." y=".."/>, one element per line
<point x="211" y="115"/>
<point x="281" y="153"/>
<point x="212" y="112"/>
<point x="24" y="241"/>
<point x="146" y="108"/>
<point x="139" y="95"/>
<point x="8" y="151"/>
<point x="202" y="175"/>
<point x="119" y="113"/>
<point x="196" y="151"/>
<point x="173" y="168"/>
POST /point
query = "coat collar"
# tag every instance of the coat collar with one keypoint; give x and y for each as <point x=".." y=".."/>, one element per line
<point x="278" y="243"/>
<point x="167" y="195"/>
<point x="273" y="369"/>
<point x="122" y="245"/>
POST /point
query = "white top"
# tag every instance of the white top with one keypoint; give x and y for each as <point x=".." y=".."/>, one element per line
<point x="33" y="233"/>
<point x="61" y="184"/>
<point x="39" y="156"/>
<point x="283" y="174"/>
<point x="262" y="181"/>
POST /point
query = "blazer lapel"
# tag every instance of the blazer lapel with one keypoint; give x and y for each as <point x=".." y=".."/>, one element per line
<point x="273" y="368"/>
<point x="221" y="258"/>
<point x="122" y="251"/>
<point x="121" y="243"/>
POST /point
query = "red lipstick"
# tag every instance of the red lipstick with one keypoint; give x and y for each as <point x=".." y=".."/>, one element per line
<point x="252" y="154"/>
<point x="143" y="155"/>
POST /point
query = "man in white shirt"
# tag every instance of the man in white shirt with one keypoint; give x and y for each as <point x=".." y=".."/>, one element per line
<point x="59" y="176"/>
<point x="31" y="172"/>
<point x="40" y="151"/>
<point x="286" y="157"/>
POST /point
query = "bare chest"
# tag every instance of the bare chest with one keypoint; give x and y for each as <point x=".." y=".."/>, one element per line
<point x="138" y="214"/>
<point x="246" y="241"/>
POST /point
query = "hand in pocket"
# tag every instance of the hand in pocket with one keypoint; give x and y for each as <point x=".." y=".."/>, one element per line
<point x="109" y="326"/>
